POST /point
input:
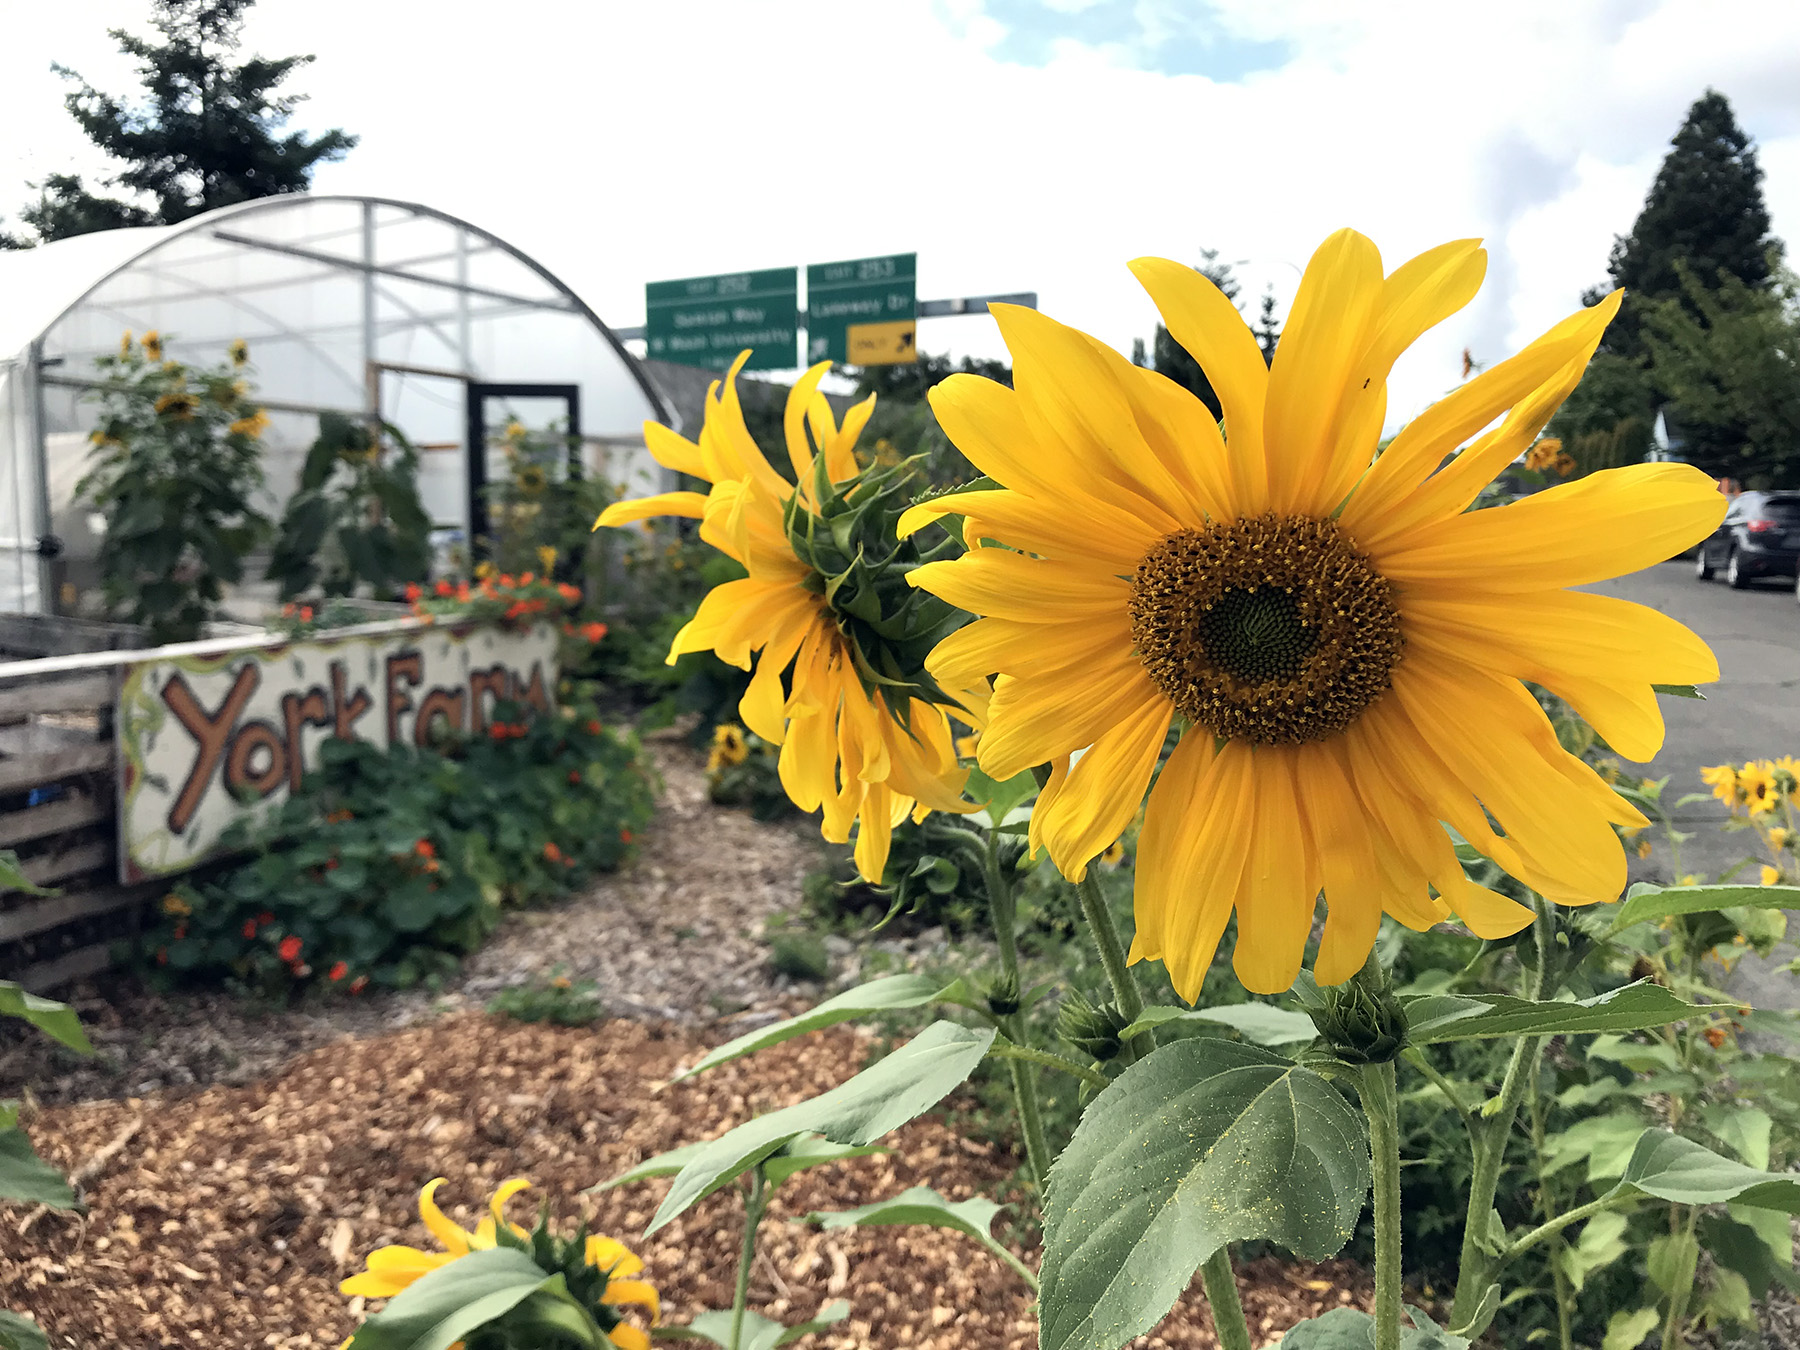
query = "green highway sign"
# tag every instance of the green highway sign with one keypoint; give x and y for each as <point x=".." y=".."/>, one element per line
<point x="861" y="312"/>
<point x="707" y="321"/>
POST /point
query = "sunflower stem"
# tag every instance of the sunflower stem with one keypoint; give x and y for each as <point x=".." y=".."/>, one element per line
<point x="755" y="1201"/>
<point x="1112" y="956"/>
<point x="1382" y="1107"/>
<point x="1494" y="1128"/>
<point x="1221" y="1292"/>
<point x="1024" y="1076"/>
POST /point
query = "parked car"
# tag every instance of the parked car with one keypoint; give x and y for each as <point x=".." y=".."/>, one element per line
<point x="1759" y="537"/>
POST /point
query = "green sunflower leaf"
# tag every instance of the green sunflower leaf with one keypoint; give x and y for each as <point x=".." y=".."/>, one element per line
<point x="48" y="1016"/>
<point x="1445" y="1017"/>
<point x="973" y="1217"/>
<point x="445" y="1305"/>
<point x="888" y="994"/>
<point x="883" y="1097"/>
<point x="1645" y="903"/>
<point x="18" y="1332"/>
<point x="1258" y="1023"/>
<point x="1202" y="1143"/>
<point x="662" y="1165"/>
<point x="25" y="1176"/>
<point x="1351" y="1329"/>
<point x="809" y="1150"/>
<point x="1678" y="1170"/>
<point x="759" y="1332"/>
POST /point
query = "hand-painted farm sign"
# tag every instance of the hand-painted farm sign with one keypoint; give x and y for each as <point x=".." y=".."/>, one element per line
<point x="205" y="739"/>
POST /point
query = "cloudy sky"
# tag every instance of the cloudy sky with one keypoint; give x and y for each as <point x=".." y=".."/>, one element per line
<point x="1014" y="144"/>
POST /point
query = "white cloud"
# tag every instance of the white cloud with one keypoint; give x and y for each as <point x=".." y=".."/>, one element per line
<point x="620" y="143"/>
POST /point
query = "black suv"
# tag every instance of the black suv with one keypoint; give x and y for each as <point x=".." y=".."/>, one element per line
<point x="1759" y="537"/>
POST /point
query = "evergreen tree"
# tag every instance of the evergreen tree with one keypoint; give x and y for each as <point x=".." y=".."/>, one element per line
<point x="1268" y="332"/>
<point x="209" y="133"/>
<point x="1704" y="211"/>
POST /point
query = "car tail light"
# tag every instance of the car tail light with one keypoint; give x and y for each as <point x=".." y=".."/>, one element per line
<point x="1761" y="526"/>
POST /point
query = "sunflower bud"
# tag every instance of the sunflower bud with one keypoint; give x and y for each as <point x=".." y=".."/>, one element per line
<point x="846" y="532"/>
<point x="1003" y="995"/>
<point x="1091" y="1028"/>
<point x="1361" y="1020"/>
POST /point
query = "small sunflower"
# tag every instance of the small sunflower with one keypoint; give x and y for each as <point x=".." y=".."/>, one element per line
<point x="862" y="734"/>
<point x="1723" y="780"/>
<point x="251" y="425"/>
<point x="1757" y="787"/>
<point x="729" y="747"/>
<point x="532" y="480"/>
<point x="177" y="404"/>
<point x="240" y="353"/>
<point x="394" y="1268"/>
<point x="1343" y="643"/>
<point x="152" y="346"/>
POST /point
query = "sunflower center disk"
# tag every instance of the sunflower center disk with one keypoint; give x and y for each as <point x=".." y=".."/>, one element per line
<point x="1271" y="629"/>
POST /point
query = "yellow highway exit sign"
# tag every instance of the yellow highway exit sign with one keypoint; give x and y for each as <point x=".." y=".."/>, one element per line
<point x="882" y="344"/>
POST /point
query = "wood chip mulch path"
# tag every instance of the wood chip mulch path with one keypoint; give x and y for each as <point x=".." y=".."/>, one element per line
<point x="230" y="1217"/>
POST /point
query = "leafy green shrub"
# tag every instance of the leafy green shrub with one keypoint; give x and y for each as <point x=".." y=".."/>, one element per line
<point x="356" y="519"/>
<point x="799" y="956"/>
<point x="560" y="1001"/>
<point x="387" y="865"/>
<point x="177" y="465"/>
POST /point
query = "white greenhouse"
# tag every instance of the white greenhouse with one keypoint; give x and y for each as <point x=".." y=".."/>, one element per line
<point x="349" y="304"/>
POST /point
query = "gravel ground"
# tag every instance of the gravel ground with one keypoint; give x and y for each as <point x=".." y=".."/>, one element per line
<point x="230" y="1215"/>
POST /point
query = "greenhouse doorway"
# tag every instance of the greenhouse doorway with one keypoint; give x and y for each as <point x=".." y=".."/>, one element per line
<point x="493" y="410"/>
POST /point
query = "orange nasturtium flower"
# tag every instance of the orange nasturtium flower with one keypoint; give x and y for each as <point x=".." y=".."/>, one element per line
<point x="1342" y="643"/>
<point x="860" y="735"/>
<point x="392" y="1269"/>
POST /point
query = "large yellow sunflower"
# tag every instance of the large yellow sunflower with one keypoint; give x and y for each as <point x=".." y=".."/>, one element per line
<point x="868" y="759"/>
<point x="1342" y="642"/>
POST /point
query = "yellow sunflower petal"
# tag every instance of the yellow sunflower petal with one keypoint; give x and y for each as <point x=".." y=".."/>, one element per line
<point x="1485" y="913"/>
<point x="639" y="1292"/>
<point x="1033" y="722"/>
<point x="1353" y="881"/>
<point x="1052" y="528"/>
<point x="612" y="1256"/>
<point x="840" y="455"/>
<point x="1016" y="647"/>
<point x="1376" y="510"/>
<point x="1325" y="334"/>
<point x="793" y="422"/>
<point x="391" y="1269"/>
<point x="874" y="832"/>
<point x="672" y="450"/>
<point x="454" y="1239"/>
<point x="1419" y="295"/>
<point x="1601" y="526"/>
<point x="763" y="702"/>
<point x="506" y="1191"/>
<point x="628" y="1337"/>
<point x="1007" y="585"/>
<point x="1200" y="317"/>
<point x="1191" y="857"/>
<point x="1280" y="886"/>
<point x="1105" y="786"/>
<point x="689" y="504"/>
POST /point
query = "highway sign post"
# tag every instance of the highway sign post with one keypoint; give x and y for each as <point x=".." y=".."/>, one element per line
<point x="864" y="311"/>
<point x="707" y="321"/>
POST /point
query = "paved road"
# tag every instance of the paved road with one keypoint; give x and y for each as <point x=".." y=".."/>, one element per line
<point x="1751" y="713"/>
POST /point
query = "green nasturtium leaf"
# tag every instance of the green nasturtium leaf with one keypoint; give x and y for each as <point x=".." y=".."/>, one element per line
<point x="973" y="1217"/>
<point x="1350" y="1329"/>
<point x="445" y="1305"/>
<point x="759" y="1333"/>
<point x="1202" y="1143"/>
<point x="883" y="1097"/>
<point x="47" y="1015"/>
<point x="18" y="1332"/>
<point x="891" y="993"/>
<point x="25" y="1176"/>
<point x="1670" y="1167"/>
<point x="1443" y="1017"/>
<point x="1645" y="903"/>
<point x="1258" y="1023"/>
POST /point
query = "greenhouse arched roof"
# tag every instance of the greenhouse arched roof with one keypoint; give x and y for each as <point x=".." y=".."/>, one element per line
<point x="360" y="305"/>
